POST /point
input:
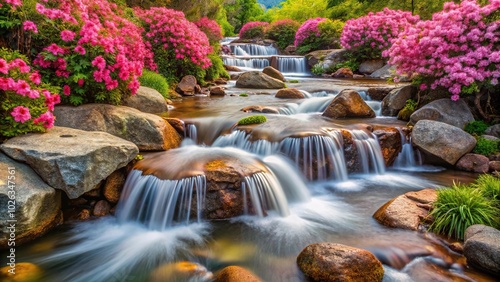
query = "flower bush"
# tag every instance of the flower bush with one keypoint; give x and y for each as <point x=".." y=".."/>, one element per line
<point x="374" y="33"/>
<point x="318" y="33"/>
<point x="458" y="49"/>
<point x="91" y="50"/>
<point x="283" y="32"/>
<point x="211" y="29"/>
<point x="253" y="30"/>
<point x="307" y="30"/>
<point x="26" y="103"/>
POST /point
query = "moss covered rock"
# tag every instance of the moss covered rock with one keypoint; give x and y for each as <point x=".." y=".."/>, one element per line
<point x="252" y="120"/>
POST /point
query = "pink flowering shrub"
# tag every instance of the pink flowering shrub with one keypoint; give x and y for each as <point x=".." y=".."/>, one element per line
<point x="252" y="30"/>
<point x="459" y="49"/>
<point x="283" y="32"/>
<point x="307" y="30"/>
<point x="26" y="103"/>
<point x="89" y="49"/>
<point x="318" y="33"/>
<point x="374" y="33"/>
<point x="211" y="29"/>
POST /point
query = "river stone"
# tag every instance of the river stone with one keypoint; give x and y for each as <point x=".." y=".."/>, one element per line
<point x="336" y="262"/>
<point x="343" y="73"/>
<point x="348" y="103"/>
<point x="482" y="247"/>
<point x="493" y="130"/>
<point x="384" y="72"/>
<point x="378" y="93"/>
<point x="455" y="113"/>
<point x="389" y="139"/>
<point x="396" y="99"/>
<point x="289" y="93"/>
<point x="447" y="142"/>
<point x="187" y="86"/>
<point x="37" y="205"/>
<point x="474" y="163"/>
<point x="274" y="73"/>
<point x="236" y="274"/>
<point x="101" y="208"/>
<point x="114" y="185"/>
<point x="406" y="211"/>
<point x="25" y="272"/>
<point x="494" y="166"/>
<point x="258" y="80"/>
<point x="232" y="68"/>
<point x="147" y="100"/>
<point x="217" y="91"/>
<point x="72" y="160"/>
<point x="149" y="132"/>
<point x="370" y="66"/>
<point x="180" y="271"/>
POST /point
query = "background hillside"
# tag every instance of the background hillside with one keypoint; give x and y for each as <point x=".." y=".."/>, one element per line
<point x="270" y="3"/>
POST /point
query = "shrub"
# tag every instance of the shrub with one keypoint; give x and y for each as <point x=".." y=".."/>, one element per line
<point x="459" y="207"/>
<point x="318" y="33"/>
<point x="252" y="120"/>
<point x="457" y="49"/>
<point x="317" y="69"/>
<point x="156" y="81"/>
<point x="90" y="49"/>
<point x="374" y="33"/>
<point x="26" y="103"/>
<point x="211" y="29"/>
<point x="489" y="185"/>
<point x="283" y="32"/>
<point x="476" y="127"/>
<point x="252" y="30"/>
<point x="407" y="110"/>
<point x="485" y="146"/>
<point x="217" y="69"/>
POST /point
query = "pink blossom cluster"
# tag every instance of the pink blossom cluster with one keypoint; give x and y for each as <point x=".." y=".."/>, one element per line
<point x="458" y="48"/>
<point x="374" y="33"/>
<point x="12" y="3"/>
<point x="253" y="29"/>
<point x="307" y="29"/>
<point x="169" y="29"/>
<point x="23" y="88"/>
<point x="92" y="29"/>
<point x="211" y="29"/>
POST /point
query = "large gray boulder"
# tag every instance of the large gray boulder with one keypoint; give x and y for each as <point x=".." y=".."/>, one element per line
<point x="396" y="100"/>
<point x="482" y="247"/>
<point x="326" y="58"/>
<point x="274" y="73"/>
<point x="348" y="103"/>
<point x="37" y="206"/>
<point x="72" y="160"/>
<point x="446" y="142"/>
<point x="258" y="80"/>
<point x="370" y="66"/>
<point x="149" y="132"/>
<point x="147" y="100"/>
<point x="455" y="113"/>
<point x="493" y="130"/>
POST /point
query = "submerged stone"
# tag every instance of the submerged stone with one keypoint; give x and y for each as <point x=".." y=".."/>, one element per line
<point x="236" y="274"/>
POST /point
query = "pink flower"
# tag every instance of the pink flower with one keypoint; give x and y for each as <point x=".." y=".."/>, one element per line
<point x="46" y="119"/>
<point x="80" y="82"/>
<point x="55" y="49"/>
<point x="99" y="62"/>
<point x="36" y="78"/>
<point x="33" y="94"/>
<point x="66" y="90"/>
<point x="67" y="35"/>
<point x="29" y="25"/>
<point x="23" y="67"/>
<point x="21" y="114"/>
<point x="4" y="66"/>
<point x="80" y="49"/>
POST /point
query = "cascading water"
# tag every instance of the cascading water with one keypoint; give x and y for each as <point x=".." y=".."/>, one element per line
<point x="250" y="63"/>
<point x="312" y="105"/>
<point x="292" y="65"/>
<point x="253" y="50"/>
<point x="191" y="132"/>
<point x="407" y="158"/>
<point x="369" y="152"/>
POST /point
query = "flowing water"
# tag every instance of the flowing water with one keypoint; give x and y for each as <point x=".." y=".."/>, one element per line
<point x="296" y="190"/>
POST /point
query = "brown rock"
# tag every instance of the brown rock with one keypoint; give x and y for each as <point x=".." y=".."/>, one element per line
<point x="24" y="272"/>
<point x="187" y="86"/>
<point x="220" y="80"/>
<point x="236" y="274"/>
<point x="180" y="271"/>
<point x="217" y="90"/>
<point x="289" y="93"/>
<point x="336" y="262"/>
<point x="114" y="185"/>
<point x="389" y="139"/>
<point x="348" y="104"/>
<point x="456" y="247"/>
<point x="232" y="68"/>
<point x="494" y="166"/>
<point x="343" y="73"/>
<point x="474" y="163"/>
<point x="378" y="93"/>
<point x="147" y="100"/>
<point x="177" y="124"/>
<point x="370" y="66"/>
<point x="84" y="215"/>
<point x="101" y="208"/>
<point x="258" y="80"/>
<point x="274" y="73"/>
<point x="396" y="99"/>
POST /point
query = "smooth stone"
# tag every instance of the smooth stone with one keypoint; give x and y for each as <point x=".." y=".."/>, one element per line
<point x="455" y="113"/>
<point x="474" y="163"/>
<point x="113" y="186"/>
<point x="348" y="104"/>
<point x="396" y="100"/>
<point x="370" y="66"/>
<point x="236" y="274"/>
<point x="289" y="93"/>
<point x="147" y="100"/>
<point x="217" y="91"/>
<point x="258" y="80"/>
<point x="180" y="271"/>
<point x="482" y="247"/>
<point x="343" y="73"/>
<point x="188" y="86"/>
<point x="274" y="73"/>
<point x="493" y="130"/>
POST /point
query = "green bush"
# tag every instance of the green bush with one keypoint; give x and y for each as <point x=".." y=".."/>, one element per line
<point x="486" y="147"/>
<point x="477" y="127"/>
<point x="317" y="69"/>
<point x="217" y="69"/>
<point x="409" y="108"/>
<point x="156" y="81"/>
<point x="283" y="32"/>
<point x="489" y="185"/>
<point x="329" y="38"/>
<point x="252" y="120"/>
<point x="459" y="207"/>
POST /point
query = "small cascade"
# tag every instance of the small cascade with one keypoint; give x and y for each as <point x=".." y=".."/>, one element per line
<point x="306" y="94"/>
<point x="280" y="168"/>
<point x="240" y="139"/>
<point x="251" y="63"/>
<point x="253" y="50"/>
<point x="292" y="65"/>
<point x="265" y="194"/>
<point x="312" y="105"/>
<point x="375" y="105"/>
<point x="190" y="131"/>
<point x="369" y="152"/>
<point x="205" y="131"/>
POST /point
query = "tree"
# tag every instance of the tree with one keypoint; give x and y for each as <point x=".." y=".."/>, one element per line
<point x="240" y="12"/>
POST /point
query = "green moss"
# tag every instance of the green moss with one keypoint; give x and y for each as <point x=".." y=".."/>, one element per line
<point x="293" y="81"/>
<point x="243" y="95"/>
<point x="477" y="127"/>
<point x="156" y="81"/>
<point x="486" y="147"/>
<point x="252" y="120"/>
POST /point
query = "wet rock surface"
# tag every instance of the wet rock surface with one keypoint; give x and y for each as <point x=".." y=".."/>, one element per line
<point x="455" y="113"/>
<point x="482" y="247"/>
<point x="236" y="274"/>
<point x="348" y="103"/>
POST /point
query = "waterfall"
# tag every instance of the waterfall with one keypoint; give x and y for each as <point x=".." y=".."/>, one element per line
<point x="265" y="194"/>
<point x="311" y="105"/>
<point x="240" y="139"/>
<point x="253" y="50"/>
<point x="252" y="63"/>
<point x="369" y="152"/>
<point x="293" y="65"/>
<point x="190" y="131"/>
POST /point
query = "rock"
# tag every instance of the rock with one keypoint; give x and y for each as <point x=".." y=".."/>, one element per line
<point x="406" y="211"/>
<point x="220" y="81"/>
<point x="343" y="73"/>
<point x="147" y="131"/>
<point x="473" y="162"/>
<point x="236" y="274"/>
<point x="260" y="109"/>
<point x="177" y="124"/>
<point x="384" y="72"/>
<point x="113" y="187"/>
<point x="147" y="100"/>
<point x="491" y="138"/>
<point x="396" y="99"/>
<point x="187" y="86"/>
<point x="37" y="205"/>
<point x="493" y="130"/>
<point x="326" y="58"/>
<point x="348" y="103"/>
<point x="83" y="215"/>
<point x="290" y="93"/>
<point x="72" y="160"/>
<point x="235" y="76"/>
<point x="180" y="271"/>
<point x="217" y="91"/>
<point x="455" y="113"/>
<point x="232" y="68"/>
<point x="274" y="73"/>
<point x="291" y="49"/>
<point x="494" y="166"/>
<point x="370" y="66"/>
<point x="101" y="208"/>
<point x="456" y="247"/>
<point x="258" y="80"/>
<point x="389" y="140"/>
<point x="426" y="270"/>
<point x="379" y="93"/>
<point x="336" y="262"/>
<point x="24" y="272"/>
<point x="446" y="142"/>
<point x="482" y="247"/>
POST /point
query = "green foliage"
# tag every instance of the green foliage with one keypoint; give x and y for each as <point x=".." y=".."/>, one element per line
<point x="156" y="81"/>
<point x="252" y="120"/>
<point x="293" y="81"/>
<point x="330" y="31"/>
<point x="217" y="69"/>
<point x="317" y="69"/>
<point x="459" y="207"/>
<point x="351" y="63"/>
<point x="489" y="185"/>
<point x="283" y="32"/>
<point x="299" y="10"/>
<point x="486" y="147"/>
<point x="476" y="127"/>
<point x="407" y="110"/>
<point x="175" y="69"/>
<point x="242" y="11"/>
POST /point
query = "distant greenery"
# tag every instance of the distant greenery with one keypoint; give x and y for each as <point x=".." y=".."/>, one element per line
<point x="486" y="147"/>
<point x="156" y="81"/>
<point x="252" y="120"/>
<point x="477" y="127"/>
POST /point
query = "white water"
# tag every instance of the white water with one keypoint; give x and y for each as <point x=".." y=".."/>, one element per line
<point x="293" y="66"/>
<point x="369" y="152"/>
<point x="250" y="63"/>
<point x="253" y="50"/>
